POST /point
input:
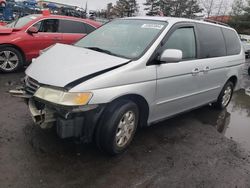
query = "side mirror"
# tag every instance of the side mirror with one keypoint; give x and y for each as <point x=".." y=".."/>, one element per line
<point x="171" y="56"/>
<point x="32" y="30"/>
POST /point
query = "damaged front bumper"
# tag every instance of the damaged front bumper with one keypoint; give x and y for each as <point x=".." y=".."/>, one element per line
<point x="70" y="122"/>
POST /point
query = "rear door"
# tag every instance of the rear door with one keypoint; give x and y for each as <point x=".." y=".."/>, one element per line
<point x="72" y="30"/>
<point x="214" y="58"/>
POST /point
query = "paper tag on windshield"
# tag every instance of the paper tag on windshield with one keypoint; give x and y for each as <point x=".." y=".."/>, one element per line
<point x="152" y="26"/>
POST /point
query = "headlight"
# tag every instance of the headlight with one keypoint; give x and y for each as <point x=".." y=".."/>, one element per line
<point x="62" y="97"/>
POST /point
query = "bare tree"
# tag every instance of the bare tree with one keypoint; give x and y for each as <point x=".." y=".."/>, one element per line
<point x="208" y="6"/>
<point x="215" y="7"/>
<point x="223" y="7"/>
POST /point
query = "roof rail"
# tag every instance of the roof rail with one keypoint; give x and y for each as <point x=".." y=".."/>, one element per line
<point x="215" y="22"/>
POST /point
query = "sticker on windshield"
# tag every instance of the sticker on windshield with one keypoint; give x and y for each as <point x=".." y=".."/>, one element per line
<point x="152" y="26"/>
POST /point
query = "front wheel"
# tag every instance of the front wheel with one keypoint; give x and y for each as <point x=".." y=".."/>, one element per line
<point x="225" y="96"/>
<point x="3" y="4"/>
<point x="117" y="127"/>
<point x="10" y="59"/>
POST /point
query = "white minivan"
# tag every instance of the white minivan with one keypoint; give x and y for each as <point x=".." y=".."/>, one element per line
<point x="130" y="73"/>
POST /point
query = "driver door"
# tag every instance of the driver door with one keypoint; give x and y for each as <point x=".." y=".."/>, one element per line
<point x="47" y="35"/>
<point x="178" y="83"/>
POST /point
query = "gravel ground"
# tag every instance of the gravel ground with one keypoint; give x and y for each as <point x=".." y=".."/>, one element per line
<point x="186" y="151"/>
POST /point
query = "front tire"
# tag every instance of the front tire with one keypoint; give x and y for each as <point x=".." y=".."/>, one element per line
<point x="225" y="96"/>
<point x="11" y="59"/>
<point x="117" y="127"/>
<point x="3" y="4"/>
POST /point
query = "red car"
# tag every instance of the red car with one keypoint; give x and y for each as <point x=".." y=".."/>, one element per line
<point x="2" y="3"/>
<point x="22" y="40"/>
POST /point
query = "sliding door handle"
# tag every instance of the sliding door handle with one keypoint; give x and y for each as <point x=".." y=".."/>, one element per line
<point x="195" y="72"/>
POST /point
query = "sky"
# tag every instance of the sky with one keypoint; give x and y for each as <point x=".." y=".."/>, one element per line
<point x="101" y="4"/>
<point x="93" y="4"/>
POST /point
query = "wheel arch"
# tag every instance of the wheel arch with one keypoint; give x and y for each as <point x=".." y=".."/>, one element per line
<point x="142" y="104"/>
<point x="233" y="79"/>
<point x="16" y="47"/>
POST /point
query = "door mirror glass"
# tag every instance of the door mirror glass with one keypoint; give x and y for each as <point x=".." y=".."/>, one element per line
<point x="32" y="30"/>
<point x="171" y="56"/>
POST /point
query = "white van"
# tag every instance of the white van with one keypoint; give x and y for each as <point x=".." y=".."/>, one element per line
<point x="131" y="73"/>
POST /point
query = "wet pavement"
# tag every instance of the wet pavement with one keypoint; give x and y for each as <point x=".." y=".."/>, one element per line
<point x="202" y="148"/>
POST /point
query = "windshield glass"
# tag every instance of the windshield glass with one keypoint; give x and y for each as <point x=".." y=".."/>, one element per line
<point x="21" y="21"/>
<point x="123" y="38"/>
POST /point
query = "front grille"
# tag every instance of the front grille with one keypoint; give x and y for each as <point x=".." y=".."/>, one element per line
<point x="31" y="85"/>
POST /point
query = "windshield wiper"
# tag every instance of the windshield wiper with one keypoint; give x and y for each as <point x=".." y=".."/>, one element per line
<point x="100" y="50"/>
<point x="105" y="51"/>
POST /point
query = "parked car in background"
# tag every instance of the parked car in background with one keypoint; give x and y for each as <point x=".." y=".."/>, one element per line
<point x="21" y="40"/>
<point x="132" y="73"/>
<point x="246" y="46"/>
<point x="2" y="3"/>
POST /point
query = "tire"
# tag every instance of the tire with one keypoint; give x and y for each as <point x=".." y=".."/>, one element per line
<point x="11" y="59"/>
<point x="114" y="133"/>
<point x="248" y="71"/>
<point x="3" y="4"/>
<point x="225" y="96"/>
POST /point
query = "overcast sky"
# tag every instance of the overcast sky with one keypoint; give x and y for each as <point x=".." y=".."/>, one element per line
<point x="92" y="4"/>
<point x="101" y="4"/>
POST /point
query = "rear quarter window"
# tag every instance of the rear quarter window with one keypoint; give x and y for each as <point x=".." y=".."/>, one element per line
<point x="232" y="42"/>
<point x="211" y="40"/>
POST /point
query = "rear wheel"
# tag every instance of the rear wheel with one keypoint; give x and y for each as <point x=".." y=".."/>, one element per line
<point x="225" y="96"/>
<point x="117" y="127"/>
<point x="10" y="59"/>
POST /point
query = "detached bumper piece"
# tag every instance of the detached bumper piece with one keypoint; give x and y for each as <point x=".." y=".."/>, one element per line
<point x="20" y="93"/>
<point x="69" y="124"/>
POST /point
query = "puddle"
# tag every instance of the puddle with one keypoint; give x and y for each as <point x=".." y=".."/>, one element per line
<point x="233" y="122"/>
<point x="238" y="128"/>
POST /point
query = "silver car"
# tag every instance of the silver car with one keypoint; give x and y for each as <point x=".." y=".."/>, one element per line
<point x="132" y="73"/>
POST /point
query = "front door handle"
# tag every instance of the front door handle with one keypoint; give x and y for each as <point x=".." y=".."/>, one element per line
<point x="195" y="72"/>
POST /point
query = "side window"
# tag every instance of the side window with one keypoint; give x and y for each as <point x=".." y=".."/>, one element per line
<point x="89" y="28"/>
<point x="47" y="26"/>
<point x="232" y="42"/>
<point x="38" y="25"/>
<point x="183" y="39"/>
<point x="68" y="26"/>
<point x="211" y="41"/>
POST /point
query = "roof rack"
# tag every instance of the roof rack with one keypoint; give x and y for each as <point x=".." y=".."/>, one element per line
<point x="215" y="22"/>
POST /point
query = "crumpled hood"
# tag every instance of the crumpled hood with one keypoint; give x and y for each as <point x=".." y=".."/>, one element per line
<point x="5" y="30"/>
<point x="63" y="64"/>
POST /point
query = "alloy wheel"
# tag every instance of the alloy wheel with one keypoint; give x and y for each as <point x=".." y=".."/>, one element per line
<point x="227" y="96"/>
<point x="125" y="129"/>
<point x="8" y="60"/>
